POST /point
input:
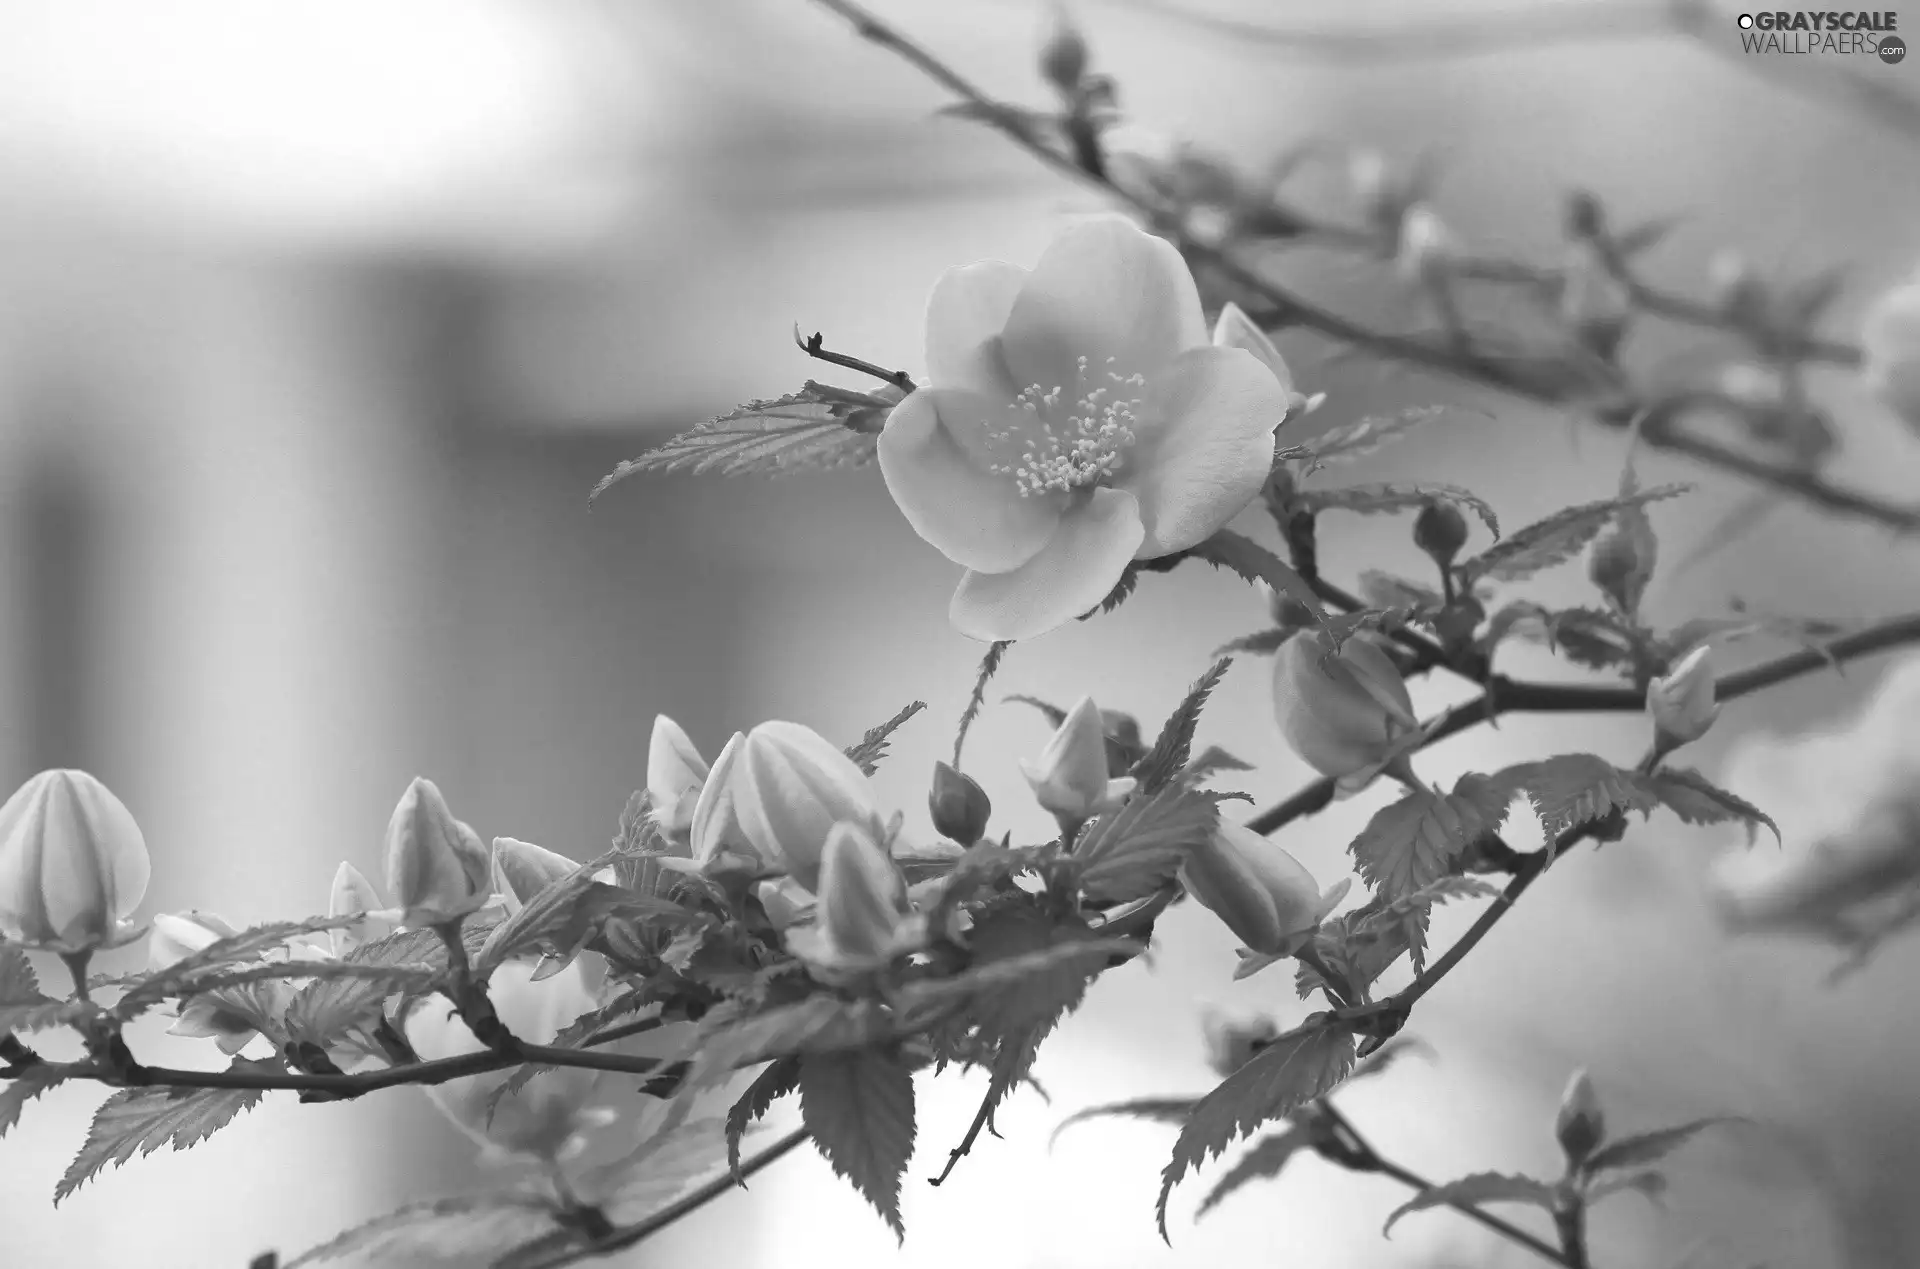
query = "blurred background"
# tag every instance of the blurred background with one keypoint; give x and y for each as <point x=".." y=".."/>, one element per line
<point x="318" y="322"/>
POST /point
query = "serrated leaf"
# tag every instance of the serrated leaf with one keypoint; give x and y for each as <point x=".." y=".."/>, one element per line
<point x="1269" y="1155"/>
<point x="816" y="1024"/>
<point x="1212" y="761"/>
<point x="20" y="1089"/>
<point x="20" y="994"/>
<point x="817" y="428"/>
<point x="1412" y="843"/>
<point x="1255" y="563"/>
<point x="1163" y="763"/>
<point x="1294" y="1070"/>
<point x="327" y="1009"/>
<point x="1556" y="539"/>
<point x="1260" y="643"/>
<point x="1481" y="1187"/>
<point x="440" y="1231"/>
<point x="666" y="1166"/>
<point x="776" y="1081"/>
<point x="1379" y="499"/>
<point x="146" y="991"/>
<point x="872" y="747"/>
<point x="1644" y="1148"/>
<point x="1159" y="1110"/>
<point x="1130" y="853"/>
<point x="859" y="1107"/>
<point x="144" y="1119"/>
<point x="1651" y="1186"/>
<point x="1571" y="789"/>
<point x="1697" y="800"/>
<point x="1384" y="590"/>
<point x="1368" y="435"/>
<point x="567" y="913"/>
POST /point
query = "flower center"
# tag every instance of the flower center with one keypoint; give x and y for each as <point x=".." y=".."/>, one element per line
<point x="1055" y="441"/>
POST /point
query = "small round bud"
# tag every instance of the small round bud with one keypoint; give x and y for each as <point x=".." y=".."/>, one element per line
<point x="1440" y="530"/>
<point x="1585" y="219"/>
<point x="959" y="806"/>
<point x="1063" y="58"/>
<point x="1581" y="1126"/>
<point x="1616" y="566"/>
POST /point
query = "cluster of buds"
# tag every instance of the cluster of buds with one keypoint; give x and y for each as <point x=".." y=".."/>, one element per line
<point x="1346" y="713"/>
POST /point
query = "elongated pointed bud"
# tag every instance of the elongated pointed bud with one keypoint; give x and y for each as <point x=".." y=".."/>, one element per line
<point x="1681" y="701"/>
<point x="522" y="870"/>
<point x="785" y="902"/>
<point x="438" y="870"/>
<point x="1232" y="1042"/>
<point x="959" y="806"/>
<point x="1064" y="56"/>
<point x="351" y="893"/>
<point x="1070" y="778"/>
<point x="862" y="897"/>
<point x="1440" y="530"/>
<point x="792" y="787"/>
<point x="73" y="865"/>
<point x="548" y="1116"/>
<point x="1346" y="715"/>
<point x="675" y="774"/>
<point x="1580" y="1126"/>
<point x="1258" y="890"/>
<point x="716" y="838"/>
<point x="1890" y="346"/>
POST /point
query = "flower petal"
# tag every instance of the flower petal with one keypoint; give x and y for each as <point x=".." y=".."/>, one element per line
<point x="972" y="516"/>
<point x="1207" y="447"/>
<point x="965" y="314"/>
<point x="1077" y="569"/>
<point x="1102" y="289"/>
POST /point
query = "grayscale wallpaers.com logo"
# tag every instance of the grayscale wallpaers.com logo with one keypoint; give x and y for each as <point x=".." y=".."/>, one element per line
<point x="1804" y="32"/>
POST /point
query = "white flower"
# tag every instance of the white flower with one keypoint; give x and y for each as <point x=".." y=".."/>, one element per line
<point x="1076" y="418"/>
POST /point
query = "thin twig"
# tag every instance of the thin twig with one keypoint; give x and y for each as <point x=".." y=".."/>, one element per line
<point x="1359" y="1155"/>
<point x="815" y="346"/>
<point x="1547" y="382"/>
<point x="627" y="1236"/>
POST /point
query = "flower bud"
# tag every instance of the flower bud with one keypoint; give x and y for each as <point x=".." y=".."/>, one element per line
<point x="1580" y="1125"/>
<point x="1232" y="1042"/>
<point x="1620" y="568"/>
<point x="675" y="774"/>
<point x="1063" y="58"/>
<point x="1346" y="715"/>
<point x="174" y="938"/>
<point x="547" y="1117"/>
<point x="792" y="787"/>
<point x="1681" y="702"/>
<point x="960" y="807"/>
<point x="1890" y="344"/>
<point x="1440" y="530"/>
<point x="522" y="870"/>
<point x="862" y="917"/>
<point x="351" y="893"/>
<point x="437" y="869"/>
<point x="1070" y="779"/>
<point x="1259" y="890"/>
<point x="1425" y="243"/>
<point x="73" y="865"/>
